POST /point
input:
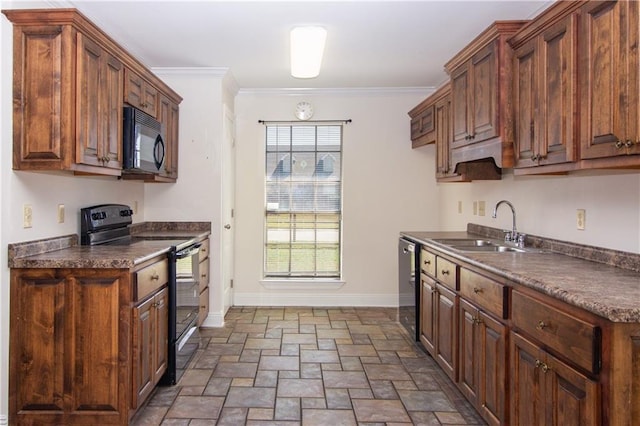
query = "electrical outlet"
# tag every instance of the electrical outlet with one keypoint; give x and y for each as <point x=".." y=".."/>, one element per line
<point x="459" y="207"/>
<point x="27" y="216"/>
<point x="475" y="208"/>
<point x="581" y="219"/>
<point x="60" y="213"/>
<point x="481" y="208"/>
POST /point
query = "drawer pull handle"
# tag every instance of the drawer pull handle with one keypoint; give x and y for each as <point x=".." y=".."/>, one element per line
<point x="427" y="262"/>
<point x="541" y="325"/>
<point x="204" y="275"/>
<point x="203" y="306"/>
<point x="477" y="290"/>
<point x="155" y="276"/>
<point x="543" y="365"/>
<point x="445" y="272"/>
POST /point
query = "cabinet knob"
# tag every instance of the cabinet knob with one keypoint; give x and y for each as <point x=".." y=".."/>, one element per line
<point x="619" y="144"/>
<point x="535" y="157"/>
<point x="629" y="143"/>
<point x="477" y="321"/>
<point x="444" y="272"/>
<point x="541" y="325"/>
<point x="203" y="275"/>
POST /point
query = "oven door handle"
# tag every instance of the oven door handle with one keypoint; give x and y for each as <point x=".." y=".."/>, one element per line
<point x="189" y="251"/>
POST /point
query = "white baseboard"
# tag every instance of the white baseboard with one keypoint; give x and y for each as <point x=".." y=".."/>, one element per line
<point x="306" y="299"/>
<point x="214" y="319"/>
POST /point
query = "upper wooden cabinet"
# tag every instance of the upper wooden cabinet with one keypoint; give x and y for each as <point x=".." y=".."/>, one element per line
<point x="423" y="129"/>
<point x="139" y="93"/>
<point x="481" y="107"/>
<point x="70" y="81"/>
<point x="545" y="91"/>
<point x="609" y="74"/>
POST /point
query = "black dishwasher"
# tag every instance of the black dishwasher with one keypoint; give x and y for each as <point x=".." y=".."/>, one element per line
<point x="408" y="286"/>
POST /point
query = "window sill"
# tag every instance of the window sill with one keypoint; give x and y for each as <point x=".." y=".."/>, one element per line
<point x="302" y="284"/>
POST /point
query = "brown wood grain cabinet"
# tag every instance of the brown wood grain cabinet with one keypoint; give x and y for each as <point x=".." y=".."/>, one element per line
<point x="545" y="391"/>
<point x="481" y="106"/>
<point x="70" y="82"/>
<point x="545" y="92"/>
<point x="203" y="285"/>
<point x="423" y="124"/>
<point x="609" y="73"/>
<point x="139" y="93"/>
<point x="169" y="117"/>
<point x="87" y="346"/>
<point x="70" y="346"/>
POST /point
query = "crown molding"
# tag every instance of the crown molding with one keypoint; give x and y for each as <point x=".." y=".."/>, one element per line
<point x="337" y="91"/>
<point x="211" y="71"/>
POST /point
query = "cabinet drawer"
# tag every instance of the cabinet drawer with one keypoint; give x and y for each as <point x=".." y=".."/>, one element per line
<point x="151" y="278"/>
<point x="203" y="270"/>
<point x="484" y="292"/>
<point x="446" y="272"/>
<point x="204" y="250"/>
<point x="573" y="338"/>
<point x="428" y="263"/>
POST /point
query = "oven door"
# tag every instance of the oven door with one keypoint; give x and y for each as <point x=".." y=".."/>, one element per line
<point x="183" y="310"/>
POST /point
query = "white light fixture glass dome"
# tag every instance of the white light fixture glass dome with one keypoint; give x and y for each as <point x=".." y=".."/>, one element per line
<point x="307" y="48"/>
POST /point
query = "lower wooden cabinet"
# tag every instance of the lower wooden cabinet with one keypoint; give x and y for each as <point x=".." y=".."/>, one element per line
<point x="546" y="391"/>
<point x="482" y="368"/>
<point x="69" y="346"/>
<point x="203" y="284"/>
<point x="150" y="344"/>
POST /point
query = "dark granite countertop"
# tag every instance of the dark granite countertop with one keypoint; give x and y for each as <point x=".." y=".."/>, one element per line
<point x="599" y="287"/>
<point x="64" y="251"/>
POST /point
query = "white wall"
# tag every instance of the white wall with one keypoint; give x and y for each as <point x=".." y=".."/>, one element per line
<point x="387" y="188"/>
<point x="546" y="206"/>
<point x="197" y="194"/>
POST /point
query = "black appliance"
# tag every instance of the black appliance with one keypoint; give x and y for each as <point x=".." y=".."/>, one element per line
<point x="409" y="286"/>
<point x="142" y="142"/>
<point x="109" y="224"/>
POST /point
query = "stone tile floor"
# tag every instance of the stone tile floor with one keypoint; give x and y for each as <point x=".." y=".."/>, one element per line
<point x="309" y="366"/>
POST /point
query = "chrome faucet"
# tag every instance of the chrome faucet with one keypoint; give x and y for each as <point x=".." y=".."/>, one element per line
<point x="510" y="236"/>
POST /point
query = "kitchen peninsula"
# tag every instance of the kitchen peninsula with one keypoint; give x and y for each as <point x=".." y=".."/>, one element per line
<point x="549" y="333"/>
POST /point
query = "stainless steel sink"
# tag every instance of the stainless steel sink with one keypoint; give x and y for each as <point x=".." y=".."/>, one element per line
<point x="466" y="242"/>
<point x="479" y="245"/>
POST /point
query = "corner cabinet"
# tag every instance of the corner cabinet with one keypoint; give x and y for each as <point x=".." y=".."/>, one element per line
<point x="70" y="83"/>
<point x="481" y="106"/>
<point x="610" y="81"/>
<point x="87" y="346"/>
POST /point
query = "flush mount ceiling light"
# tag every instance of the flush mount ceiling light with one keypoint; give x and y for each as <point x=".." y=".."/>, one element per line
<point x="307" y="47"/>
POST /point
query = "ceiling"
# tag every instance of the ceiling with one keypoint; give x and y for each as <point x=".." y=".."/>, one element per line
<point x="370" y="44"/>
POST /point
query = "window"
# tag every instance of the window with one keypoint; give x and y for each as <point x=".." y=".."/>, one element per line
<point x="303" y="200"/>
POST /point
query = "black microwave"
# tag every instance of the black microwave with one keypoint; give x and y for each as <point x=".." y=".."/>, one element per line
<point x="143" y="142"/>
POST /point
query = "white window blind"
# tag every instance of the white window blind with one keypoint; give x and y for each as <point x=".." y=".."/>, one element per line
<point x="303" y="200"/>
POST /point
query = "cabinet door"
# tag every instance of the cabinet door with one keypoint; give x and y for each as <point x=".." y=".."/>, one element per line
<point x="447" y="331"/>
<point x="603" y="82"/>
<point x="571" y="398"/>
<point x="204" y="306"/>
<point x="484" y="92"/>
<point x="460" y="101"/>
<point x="139" y="93"/>
<point x="492" y="369"/>
<point x="526" y="103"/>
<point x="37" y="343"/>
<point x="527" y="383"/>
<point x="168" y="116"/>
<point x="556" y="133"/>
<point x="99" y="107"/>
<point x="427" y="313"/>
<point x="161" y="341"/>
<point x="88" y="92"/>
<point x="443" y="138"/>
<point x="143" y="351"/>
<point x="470" y="355"/>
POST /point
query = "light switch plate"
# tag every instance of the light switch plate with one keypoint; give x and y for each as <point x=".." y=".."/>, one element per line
<point x="581" y="219"/>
